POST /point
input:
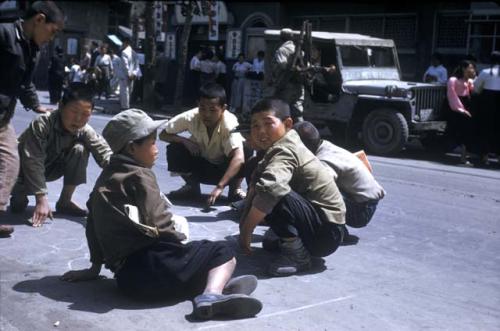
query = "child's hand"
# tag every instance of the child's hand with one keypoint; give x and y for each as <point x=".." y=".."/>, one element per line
<point x="80" y="275"/>
<point x="217" y="191"/>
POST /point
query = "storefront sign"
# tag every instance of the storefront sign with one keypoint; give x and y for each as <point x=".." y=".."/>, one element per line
<point x="200" y="12"/>
<point x="233" y="44"/>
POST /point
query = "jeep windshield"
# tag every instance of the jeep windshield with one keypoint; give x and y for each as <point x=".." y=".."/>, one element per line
<point x="367" y="56"/>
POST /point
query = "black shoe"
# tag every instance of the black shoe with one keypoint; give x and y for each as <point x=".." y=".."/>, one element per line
<point x="349" y="239"/>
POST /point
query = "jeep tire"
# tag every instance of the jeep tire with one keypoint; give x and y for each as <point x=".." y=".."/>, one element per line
<point x="385" y="131"/>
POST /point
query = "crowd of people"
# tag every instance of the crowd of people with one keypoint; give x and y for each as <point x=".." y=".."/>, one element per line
<point x="107" y="70"/>
<point x="471" y="107"/>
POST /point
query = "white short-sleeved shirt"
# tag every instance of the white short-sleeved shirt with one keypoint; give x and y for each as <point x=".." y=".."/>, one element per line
<point x="215" y="149"/>
<point x="488" y="79"/>
<point x="440" y="72"/>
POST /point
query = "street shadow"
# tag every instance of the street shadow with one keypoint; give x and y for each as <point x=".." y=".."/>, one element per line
<point x="99" y="296"/>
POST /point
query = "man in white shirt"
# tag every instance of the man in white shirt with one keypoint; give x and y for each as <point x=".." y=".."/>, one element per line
<point x="436" y="73"/>
<point x="131" y="66"/>
<point x="212" y="154"/>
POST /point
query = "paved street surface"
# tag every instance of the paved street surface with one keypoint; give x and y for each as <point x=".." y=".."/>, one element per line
<point x="428" y="260"/>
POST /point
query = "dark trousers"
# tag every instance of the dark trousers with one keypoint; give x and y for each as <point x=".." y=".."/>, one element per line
<point x="180" y="160"/>
<point x="359" y="214"/>
<point x="55" y="88"/>
<point x="167" y="269"/>
<point x="294" y="216"/>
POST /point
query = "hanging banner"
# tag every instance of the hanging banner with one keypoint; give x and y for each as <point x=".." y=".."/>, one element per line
<point x="170" y="45"/>
<point x="213" y="20"/>
<point x="233" y="44"/>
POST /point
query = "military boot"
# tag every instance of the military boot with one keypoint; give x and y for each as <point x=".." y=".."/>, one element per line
<point x="294" y="257"/>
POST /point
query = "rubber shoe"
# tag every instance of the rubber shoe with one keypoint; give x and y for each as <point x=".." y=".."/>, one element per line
<point x="245" y="284"/>
<point x="293" y="258"/>
<point x="18" y="203"/>
<point x="207" y="306"/>
<point x="71" y="210"/>
<point x="349" y="239"/>
<point x="271" y="242"/>
<point x="5" y="231"/>
<point x="185" y="193"/>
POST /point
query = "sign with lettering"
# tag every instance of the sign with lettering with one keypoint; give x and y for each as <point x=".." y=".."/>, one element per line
<point x="170" y="45"/>
<point x="213" y="20"/>
<point x="201" y="12"/>
<point x="233" y="44"/>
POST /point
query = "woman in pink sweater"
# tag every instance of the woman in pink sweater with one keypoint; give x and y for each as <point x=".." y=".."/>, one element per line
<point x="460" y="124"/>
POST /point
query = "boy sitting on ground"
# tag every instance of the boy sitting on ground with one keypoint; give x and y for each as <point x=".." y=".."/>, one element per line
<point x="212" y="154"/>
<point x="57" y="145"/>
<point x="293" y="191"/>
<point x="360" y="190"/>
<point x="147" y="256"/>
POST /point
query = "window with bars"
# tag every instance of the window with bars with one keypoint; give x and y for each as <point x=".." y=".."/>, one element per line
<point x="452" y="31"/>
<point x="402" y="29"/>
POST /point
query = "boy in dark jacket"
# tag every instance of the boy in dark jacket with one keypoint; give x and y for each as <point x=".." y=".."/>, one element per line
<point x="131" y="230"/>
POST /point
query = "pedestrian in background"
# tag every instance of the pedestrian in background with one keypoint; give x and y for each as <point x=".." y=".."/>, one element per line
<point x="436" y="73"/>
<point x="487" y="85"/>
<point x="56" y="75"/>
<point x="19" y="46"/>
<point x="460" y="123"/>
<point x="240" y="69"/>
<point x="207" y="68"/>
<point x="105" y="65"/>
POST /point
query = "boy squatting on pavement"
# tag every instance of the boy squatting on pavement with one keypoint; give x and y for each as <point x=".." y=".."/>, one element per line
<point x="293" y="191"/>
<point x="57" y="145"/>
<point x="212" y="154"/>
<point x="19" y="47"/>
<point x="148" y="257"/>
<point x="360" y="190"/>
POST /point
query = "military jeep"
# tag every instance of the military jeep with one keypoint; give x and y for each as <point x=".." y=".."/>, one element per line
<point x="372" y="103"/>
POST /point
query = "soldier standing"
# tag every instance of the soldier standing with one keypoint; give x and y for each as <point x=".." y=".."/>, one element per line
<point x="287" y="81"/>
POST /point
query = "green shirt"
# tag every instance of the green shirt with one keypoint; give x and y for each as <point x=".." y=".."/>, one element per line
<point x="45" y="142"/>
<point x="288" y="165"/>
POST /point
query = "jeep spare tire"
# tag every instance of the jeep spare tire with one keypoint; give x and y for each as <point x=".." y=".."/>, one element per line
<point x="385" y="131"/>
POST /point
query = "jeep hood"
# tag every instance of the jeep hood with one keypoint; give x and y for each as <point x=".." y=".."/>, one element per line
<point x="377" y="87"/>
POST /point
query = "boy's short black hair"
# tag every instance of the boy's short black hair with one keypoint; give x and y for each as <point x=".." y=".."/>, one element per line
<point x="78" y="92"/>
<point x="213" y="91"/>
<point x="261" y="53"/>
<point x="308" y="134"/>
<point x="53" y="14"/>
<point x="280" y="108"/>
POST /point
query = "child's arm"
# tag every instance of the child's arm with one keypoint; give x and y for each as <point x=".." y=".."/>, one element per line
<point x="237" y="161"/>
<point x="247" y="226"/>
<point x="192" y="147"/>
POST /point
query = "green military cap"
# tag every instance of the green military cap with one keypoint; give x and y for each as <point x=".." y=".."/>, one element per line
<point x="127" y="126"/>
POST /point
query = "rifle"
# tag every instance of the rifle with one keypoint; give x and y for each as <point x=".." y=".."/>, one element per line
<point x="297" y="64"/>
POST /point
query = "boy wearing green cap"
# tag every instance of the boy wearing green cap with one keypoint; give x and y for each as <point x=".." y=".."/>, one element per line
<point x="145" y="251"/>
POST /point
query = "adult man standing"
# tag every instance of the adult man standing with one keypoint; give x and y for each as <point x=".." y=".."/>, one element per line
<point x="128" y="74"/>
<point x="287" y="81"/>
<point x="19" y="45"/>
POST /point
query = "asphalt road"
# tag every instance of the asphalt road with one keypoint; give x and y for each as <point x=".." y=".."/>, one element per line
<point x="428" y="260"/>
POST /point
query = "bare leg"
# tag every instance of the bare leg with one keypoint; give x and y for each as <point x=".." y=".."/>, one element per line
<point x="219" y="276"/>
